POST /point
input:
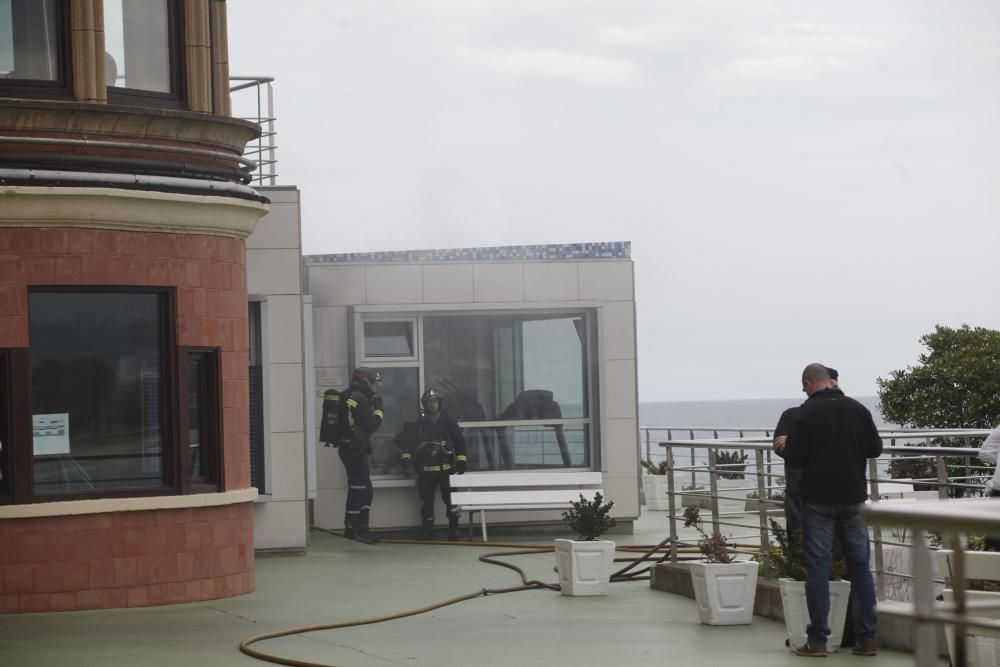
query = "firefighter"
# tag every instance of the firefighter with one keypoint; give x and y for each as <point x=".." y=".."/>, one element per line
<point x="360" y="415"/>
<point x="436" y="448"/>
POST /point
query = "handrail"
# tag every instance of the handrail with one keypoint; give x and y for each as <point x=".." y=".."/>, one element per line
<point x="266" y="173"/>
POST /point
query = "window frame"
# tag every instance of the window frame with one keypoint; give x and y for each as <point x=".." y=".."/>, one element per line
<point x="416" y="329"/>
<point x="62" y="87"/>
<point x="177" y="97"/>
<point x="211" y="415"/>
<point x="17" y="461"/>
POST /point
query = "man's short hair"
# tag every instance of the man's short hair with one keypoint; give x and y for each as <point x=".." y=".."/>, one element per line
<point x="832" y="372"/>
<point x="815" y="373"/>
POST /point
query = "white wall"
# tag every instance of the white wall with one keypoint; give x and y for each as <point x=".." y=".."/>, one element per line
<point x="274" y="277"/>
<point x="604" y="284"/>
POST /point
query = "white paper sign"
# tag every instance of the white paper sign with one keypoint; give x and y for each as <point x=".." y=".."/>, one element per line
<point x="51" y="433"/>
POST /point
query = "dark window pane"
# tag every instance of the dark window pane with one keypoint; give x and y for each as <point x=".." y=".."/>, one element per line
<point x="96" y="390"/>
<point x="388" y="339"/>
<point x="28" y="40"/>
<point x="196" y="397"/>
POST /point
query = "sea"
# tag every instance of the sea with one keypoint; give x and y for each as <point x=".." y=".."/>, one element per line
<point x="751" y="414"/>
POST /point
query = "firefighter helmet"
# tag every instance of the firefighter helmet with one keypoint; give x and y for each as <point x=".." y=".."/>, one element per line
<point x="366" y="376"/>
<point x="430" y="395"/>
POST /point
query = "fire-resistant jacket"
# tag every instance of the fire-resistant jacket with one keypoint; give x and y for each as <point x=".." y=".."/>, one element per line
<point x="432" y="445"/>
<point x="359" y="418"/>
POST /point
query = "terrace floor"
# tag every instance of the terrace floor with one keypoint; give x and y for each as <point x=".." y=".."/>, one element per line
<point x="339" y="580"/>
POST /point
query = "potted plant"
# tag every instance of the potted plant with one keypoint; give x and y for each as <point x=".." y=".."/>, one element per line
<point x="724" y="587"/>
<point x="585" y="565"/>
<point x="982" y="584"/>
<point x="786" y="563"/>
<point x="730" y="472"/>
<point x="777" y="497"/>
<point x="655" y="486"/>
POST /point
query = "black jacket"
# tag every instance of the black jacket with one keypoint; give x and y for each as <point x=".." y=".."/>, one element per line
<point x="432" y="445"/>
<point x="832" y="438"/>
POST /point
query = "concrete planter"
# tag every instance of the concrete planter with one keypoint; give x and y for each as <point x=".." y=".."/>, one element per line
<point x="725" y="592"/>
<point x="732" y="494"/>
<point x="654" y="488"/>
<point x="793" y="599"/>
<point x="584" y="566"/>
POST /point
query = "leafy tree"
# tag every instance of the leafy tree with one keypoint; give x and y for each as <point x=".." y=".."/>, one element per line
<point x="956" y="384"/>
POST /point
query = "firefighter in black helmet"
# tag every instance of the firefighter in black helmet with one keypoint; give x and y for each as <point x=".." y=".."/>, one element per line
<point x="360" y="415"/>
<point x="436" y="449"/>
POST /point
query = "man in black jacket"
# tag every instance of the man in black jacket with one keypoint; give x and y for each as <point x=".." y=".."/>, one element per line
<point x="793" y="476"/>
<point x="360" y="415"/>
<point x="436" y="447"/>
<point x="831" y="440"/>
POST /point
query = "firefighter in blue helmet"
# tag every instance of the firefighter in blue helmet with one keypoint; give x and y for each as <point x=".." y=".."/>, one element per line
<point x="360" y="415"/>
<point x="436" y="448"/>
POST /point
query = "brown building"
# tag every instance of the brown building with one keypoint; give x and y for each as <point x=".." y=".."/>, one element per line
<point x="124" y="207"/>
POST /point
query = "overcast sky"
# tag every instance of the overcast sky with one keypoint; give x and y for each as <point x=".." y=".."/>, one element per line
<point x="800" y="181"/>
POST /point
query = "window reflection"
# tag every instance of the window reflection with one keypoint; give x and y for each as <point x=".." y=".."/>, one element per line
<point x="136" y="37"/>
<point x="96" y="390"/>
<point x="29" y="36"/>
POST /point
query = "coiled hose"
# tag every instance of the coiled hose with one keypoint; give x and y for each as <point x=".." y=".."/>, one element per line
<point x="648" y="553"/>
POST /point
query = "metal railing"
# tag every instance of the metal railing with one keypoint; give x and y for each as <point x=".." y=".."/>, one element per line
<point x="951" y="471"/>
<point x="262" y="149"/>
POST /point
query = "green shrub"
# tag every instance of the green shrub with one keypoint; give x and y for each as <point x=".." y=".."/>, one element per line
<point x="589" y="518"/>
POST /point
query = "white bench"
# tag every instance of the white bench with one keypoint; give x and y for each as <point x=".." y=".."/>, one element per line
<point x="502" y="491"/>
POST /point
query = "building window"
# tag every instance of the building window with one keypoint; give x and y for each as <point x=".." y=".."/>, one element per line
<point x="143" y="48"/>
<point x="258" y="454"/>
<point x="201" y="420"/>
<point x="98" y="404"/>
<point x="389" y="340"/>
<point x="32" y="52"/>
<point x="519" y="384"/>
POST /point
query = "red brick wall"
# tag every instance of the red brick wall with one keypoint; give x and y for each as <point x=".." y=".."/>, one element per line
<point x="209" y="273"/>
<point x="126" y="559"/>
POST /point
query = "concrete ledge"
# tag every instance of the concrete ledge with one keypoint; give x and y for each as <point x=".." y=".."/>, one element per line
<point x="145" y="503"/>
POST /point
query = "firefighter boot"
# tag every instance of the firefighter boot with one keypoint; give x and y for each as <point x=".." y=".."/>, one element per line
<point x="354" y="531"/>
<point x="452" y="527"/>
<point x="427" y="530"/>
<point x="364" y="530"/>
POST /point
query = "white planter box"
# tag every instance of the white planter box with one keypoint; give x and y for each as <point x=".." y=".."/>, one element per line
<point x="793" y="600"/>
<point x="725" y="592"/>
<point x="982" y="648"/>
<point x="697" y="497"/>
<point x="654" y="488"/>
<point x="584" y="567"/>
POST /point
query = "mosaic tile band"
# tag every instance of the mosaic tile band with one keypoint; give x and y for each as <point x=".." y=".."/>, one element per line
<point x="606" y="250"/>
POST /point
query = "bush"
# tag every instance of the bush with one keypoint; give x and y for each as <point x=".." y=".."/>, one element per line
<point x="730" y="465"/>
<point x="589" y="518"/>
<point x="715" y="548"/>
<point x="654" y="469"/>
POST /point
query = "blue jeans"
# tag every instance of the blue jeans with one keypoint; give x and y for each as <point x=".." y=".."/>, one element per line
<point x="818" y="525"/>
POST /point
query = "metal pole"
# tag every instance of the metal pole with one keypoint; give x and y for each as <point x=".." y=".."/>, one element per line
<point x="671" y="504"/>
<point x="765" y="552"/>
<point x="880" y="582"/>
<point x="924" y="632"/>
<point x="942" y="475"/>
<point x="713" y="486"/>
<point x="270" y="125"/>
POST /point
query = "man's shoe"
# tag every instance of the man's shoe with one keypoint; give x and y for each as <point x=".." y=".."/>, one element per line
<point x="811" y="651"/>
<point x="865" y="647"/>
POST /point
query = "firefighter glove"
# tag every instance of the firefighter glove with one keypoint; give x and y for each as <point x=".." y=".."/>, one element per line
<point x="376" y="402"/>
